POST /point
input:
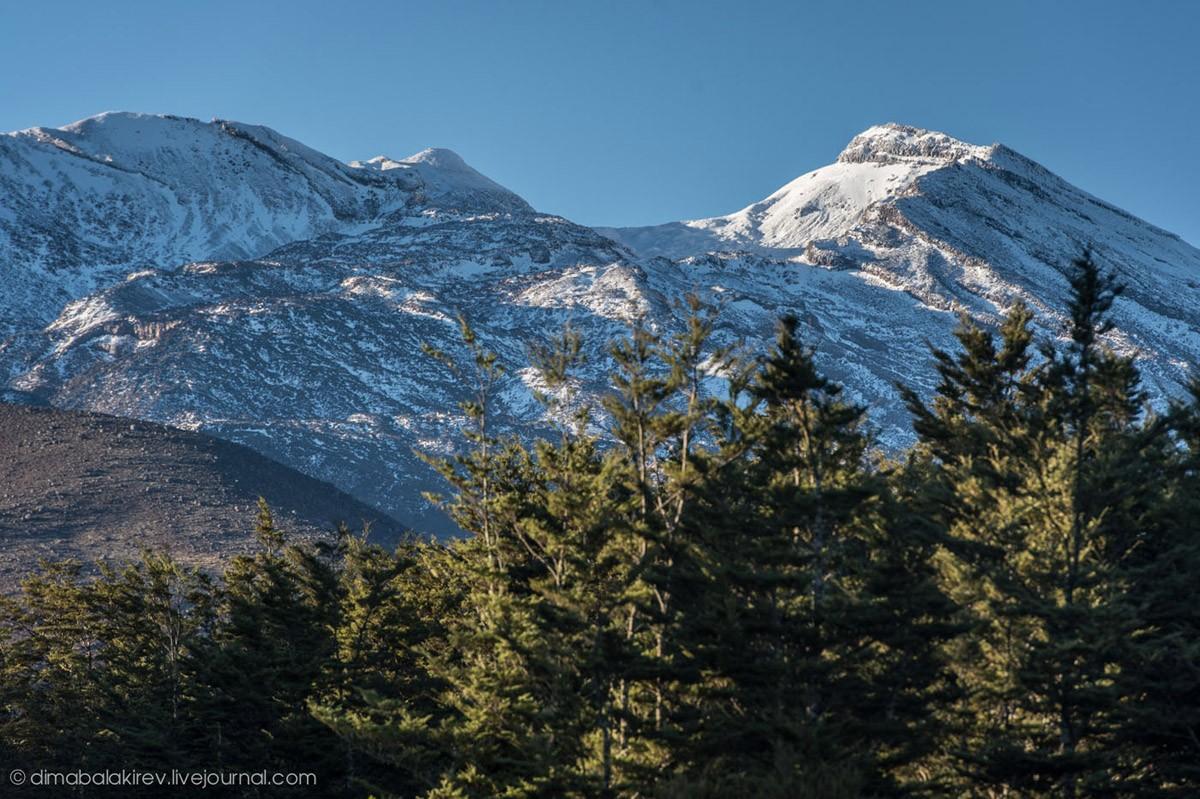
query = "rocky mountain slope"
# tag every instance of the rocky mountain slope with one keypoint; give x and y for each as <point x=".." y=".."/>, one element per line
<point x="951" y="227"/>
<point x="311" y="352"/>
<point x="98" y="487"/>
<point x="86" y="204"/>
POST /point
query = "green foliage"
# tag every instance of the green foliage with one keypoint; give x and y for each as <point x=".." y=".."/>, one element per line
<point x="678" y="593"/>
<point x="1048" y="482"/>
<point x="154" y="667"/>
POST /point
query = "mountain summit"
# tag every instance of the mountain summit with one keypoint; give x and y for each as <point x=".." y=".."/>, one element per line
<point x="223" y="277"/>
<point x="892" y="143"/>
<point x="87" y="203"/>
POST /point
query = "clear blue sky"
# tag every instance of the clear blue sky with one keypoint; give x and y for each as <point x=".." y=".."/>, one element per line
<point x="643" y="112"/>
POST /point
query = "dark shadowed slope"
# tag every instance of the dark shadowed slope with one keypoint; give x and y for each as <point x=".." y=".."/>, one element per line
<point x="96" y="487"/>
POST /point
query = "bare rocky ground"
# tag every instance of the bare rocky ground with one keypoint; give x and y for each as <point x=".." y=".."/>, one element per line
<point x="101" y="488"/>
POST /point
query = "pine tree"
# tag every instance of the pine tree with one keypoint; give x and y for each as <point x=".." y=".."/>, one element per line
<point x="1159" y="678"/>
<point x="1037" y="474"/>
<point x="383" y="699"/>
<point x="809" y="469"/>
<point x="152" y="618"/>
<point x="266" y="659"/>
<point x="661" y="417"/>
<point x="506" y="720"/>
<point x="816" y="620"/>
<point x="48" y="715"/>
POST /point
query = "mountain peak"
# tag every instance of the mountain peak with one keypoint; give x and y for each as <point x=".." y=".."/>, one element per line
<point x="184" y="151"/>
<point x="448" y="178"/>
<point x="440" y="157"/>
<point x="894" y="143"/>
<point x="111" y="117"/>
<point x="437" y="157"/>
<point x="110" y="129"/>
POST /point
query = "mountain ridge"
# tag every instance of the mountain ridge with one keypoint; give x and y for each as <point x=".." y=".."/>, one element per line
<point x="139" y="190"/>
<point x="311" y="352"/>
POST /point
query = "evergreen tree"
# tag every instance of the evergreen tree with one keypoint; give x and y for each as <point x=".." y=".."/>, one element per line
<point x="506" y="721"/>
<point x="1159" y="677"/>
<point x="266" y="659"/>
<point x="152" y="617"/>
<point x="49" y="716"/>
<point x="662" y="419"/>
<point x="1038" y="476"/>
<point x="818" y="620"/>
<point x="383" y="699"/>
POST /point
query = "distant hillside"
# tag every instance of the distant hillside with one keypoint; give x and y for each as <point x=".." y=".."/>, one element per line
<point x="98" y="487"/>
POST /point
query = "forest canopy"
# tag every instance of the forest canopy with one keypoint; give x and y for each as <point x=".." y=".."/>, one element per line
<point x="682" y="595"/>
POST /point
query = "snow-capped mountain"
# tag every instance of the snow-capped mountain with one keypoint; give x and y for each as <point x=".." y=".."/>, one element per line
<point x="283" y="298"/>
<point x="86" y="204"/>
<point x="952" y="227"/>
<point x="311" y="353"/>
